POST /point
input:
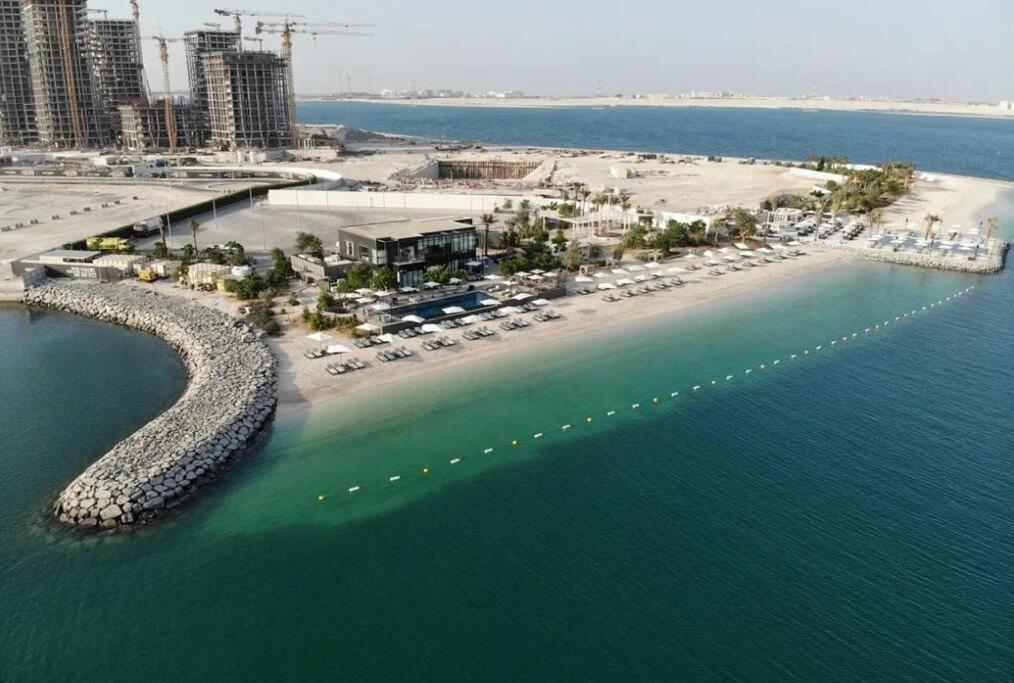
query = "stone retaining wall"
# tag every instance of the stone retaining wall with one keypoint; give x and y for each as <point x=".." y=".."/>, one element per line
<point x="230" y="397"/>
<point x="983" y="265"/>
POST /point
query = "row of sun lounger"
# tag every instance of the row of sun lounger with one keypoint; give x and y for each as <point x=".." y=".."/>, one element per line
<point x="546" y="316"/>
<point x="439" y="343"/>
<point x="368" y="342"/>
<point x="477" y="334"/>
<point x="515" y="324"/>
<point x="394" y="354"/>
<point x="350" y="365"/>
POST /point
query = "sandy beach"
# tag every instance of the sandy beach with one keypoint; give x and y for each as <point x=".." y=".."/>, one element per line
<point x="811" y="104"/>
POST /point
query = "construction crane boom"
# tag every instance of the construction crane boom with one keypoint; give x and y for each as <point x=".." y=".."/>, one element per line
<point x="167" y="100"/>
<point x="286" y="29"/>
<point x="238" y="14"/>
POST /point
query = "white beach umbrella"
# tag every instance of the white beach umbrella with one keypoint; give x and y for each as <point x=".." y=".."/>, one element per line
<point x="383" y="294"/>
<point x="319" y="337"/>
<point x="742" y="246"/>
<point x="675" y="270"/>
<point x="429" y="328"/>
<point x="472" y="319"/>
<point x="368" y="327"/>
<point x="540" y="302"/>
<point x="364" y="300"/>
<point x="335" y="349"/>
<point x="600" y="275"/>
<point x="510" y="310"/>
<point x="494" y="276"/>
<point x="474" y="264"/>
<point x="641" y="278"/>
<point x="690" y="255"/>
<point x="635" y="268"/>
<point x="490" y="302"/>
<point x="453" y="310"/>
<point x="584" y="279"/>
<point x="620" y="271"/>
<point x="455" y="281"/>
<point x="623" y="282"/>
<point x="431" y="285"/>
<point x="386" y="338"/>
<point x="364" y="291"/>
<point x="380" y="307"/>
<point x="408" y="290"/>
<point x="607" y="285"/>
<point x="652" y="265"/>
<point x="413" y="319"/>
<point x="538" y="271"/>
<point x="521" y="296"/>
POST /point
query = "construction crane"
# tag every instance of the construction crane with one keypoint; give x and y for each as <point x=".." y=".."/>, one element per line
<point x="167" y="100"/>
<point x="238" y="14"/>
<point x="259" y="41"/>
<point x="135" y="13"/>
<point x="286" y="29"/>
<point x="103" y="12"/>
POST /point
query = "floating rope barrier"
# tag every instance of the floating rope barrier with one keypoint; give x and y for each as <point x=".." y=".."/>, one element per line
<point x="695" y="388"/>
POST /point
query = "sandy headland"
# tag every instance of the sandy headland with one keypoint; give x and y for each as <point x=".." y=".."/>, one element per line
<point x="804" y="103"/>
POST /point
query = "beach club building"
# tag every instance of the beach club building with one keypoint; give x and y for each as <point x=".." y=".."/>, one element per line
<point x="411" y="248"/>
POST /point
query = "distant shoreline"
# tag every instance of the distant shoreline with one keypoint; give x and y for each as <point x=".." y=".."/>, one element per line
<point x="877" y="107"/>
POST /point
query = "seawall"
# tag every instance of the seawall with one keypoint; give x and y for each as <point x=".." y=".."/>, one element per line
<point x="984" y="265"/>
<point x="230" y="397"/>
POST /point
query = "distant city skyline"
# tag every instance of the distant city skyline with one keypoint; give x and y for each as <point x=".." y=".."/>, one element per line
<point x="903" y="49"/>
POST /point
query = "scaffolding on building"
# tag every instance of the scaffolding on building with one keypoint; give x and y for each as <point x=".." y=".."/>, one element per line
<point x="248" y="96"/>
<point x="66" y="110"/>
<point x="144" y="128"/>
<point x="197" y="45"/>
<point x="17" y="110"/>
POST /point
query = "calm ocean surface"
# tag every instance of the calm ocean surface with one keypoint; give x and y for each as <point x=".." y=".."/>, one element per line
<point x="843" y="515"/>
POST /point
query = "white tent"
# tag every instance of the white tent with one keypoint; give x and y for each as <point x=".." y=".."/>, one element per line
<point x="335" y="349"/>
<point x="319" y="337"/>
<point x="453" y="310"/>
<point x="368" y="327"/>
<point x="413" y="319"/>
<point x="408" y="290"/>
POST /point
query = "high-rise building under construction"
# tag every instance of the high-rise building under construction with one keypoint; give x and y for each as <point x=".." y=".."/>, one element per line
<point x="67" y="112"/>
<point x="248" y="96"/>
<point x="17" y="111"/>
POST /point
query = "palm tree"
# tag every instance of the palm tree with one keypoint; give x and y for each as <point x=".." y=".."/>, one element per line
<point x="931" y="219"/>
<point x="487" y="219"/>
<point x="193" y="230"/>
<point x="876" y="217"/>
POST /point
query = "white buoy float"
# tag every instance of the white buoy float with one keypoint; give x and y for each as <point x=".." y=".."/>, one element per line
<point x="353" y="489"/>
<point x="635" y="406"/>
<point x="674" y="394"/>
<point x="537" y="436"/>
<point x="747" y="372"/>
<point x="792" y="357"/>
<point x="565" y="427"/>
<point x="818" y="348"/>
<point x="394" y="478"/>
<point x="610" y="413"/>
<point x="455" y="461"/>
<point x="777" y="361"/>
<point x="728" y="377"/>
<point x="697" y="387"/>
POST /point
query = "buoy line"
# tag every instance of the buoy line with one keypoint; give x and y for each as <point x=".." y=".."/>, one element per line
<point x="635" y="407"/>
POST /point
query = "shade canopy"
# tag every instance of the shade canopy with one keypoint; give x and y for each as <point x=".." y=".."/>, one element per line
<point x="364" y="291"/>
<point x="364" y="300"/>
<point x="635" y="268"/>
<point x="652" y="265"/>
<point x="431" y="285"/>
<point x="584" y="278"/>
<point x="338" y="348"/>
<point x="474" y="264"/>
<point x="511" y="310"/>
<point x="540" y="302"/>
<point x="319" y="337"/>
<point x="490" y="302"/>
<point x="521" y="296"/>
<point x="386" y="338"/>
<point x="368" y="327"/>
<point x="607" y="285"/>
<point x="383" y="294"/>
<point x="455" y="281"/>
<point x="380" y="307"/>
<point x="623" y="282"/>
<point x="453" y="310"/>
<point x="538" y="271"/>
<point x="408" y="290"/>
<point x="472" y="319"/>
<point x="413" y="319"/>
<point x="494" y="276"/>
<point x="431" y="327"/>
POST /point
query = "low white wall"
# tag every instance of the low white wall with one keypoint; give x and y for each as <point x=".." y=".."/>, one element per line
<point x="431" y="201"/>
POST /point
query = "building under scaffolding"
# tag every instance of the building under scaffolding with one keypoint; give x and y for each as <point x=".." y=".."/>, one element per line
<point x="198" y="44"/>
<point x="144" y="127"/>
<point x="66" y="110"/>
<point x="247" y="99"/>
<point x="17" y="112"/>
<point x="114" y="52"/>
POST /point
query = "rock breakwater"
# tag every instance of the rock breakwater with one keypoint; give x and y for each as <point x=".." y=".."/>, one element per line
<point x="984" y="265"/>
<point x="230" y="397"/>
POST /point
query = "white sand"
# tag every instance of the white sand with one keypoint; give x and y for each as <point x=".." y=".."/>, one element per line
<point x="894" y="106"/>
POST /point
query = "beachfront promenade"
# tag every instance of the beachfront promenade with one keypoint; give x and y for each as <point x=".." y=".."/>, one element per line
<point x="231" y="396"/>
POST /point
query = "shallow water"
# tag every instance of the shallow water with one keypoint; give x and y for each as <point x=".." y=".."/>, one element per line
<point x="845" y="514"/>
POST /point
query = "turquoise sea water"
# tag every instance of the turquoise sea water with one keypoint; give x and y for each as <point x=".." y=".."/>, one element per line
<point x="844" y="515"/>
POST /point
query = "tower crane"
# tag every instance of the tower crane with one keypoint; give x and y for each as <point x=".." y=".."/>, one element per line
<point x="238" y="14"/>
<point x="170" y="112"/>
<point x="135" y="14"/>
<point x="259" y="41"/>
<point x="286" y="29"/>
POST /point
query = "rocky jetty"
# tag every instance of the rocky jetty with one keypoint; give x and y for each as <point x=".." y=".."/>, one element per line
<point x="984" y="265"/>
<point x="231" y="396"/>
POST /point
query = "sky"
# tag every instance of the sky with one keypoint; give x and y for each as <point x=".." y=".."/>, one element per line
<point x="885" y="48"/>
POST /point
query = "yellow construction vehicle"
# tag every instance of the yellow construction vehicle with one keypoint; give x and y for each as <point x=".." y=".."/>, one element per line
<point x="109" y="244"/>
<point x="147" y="275"/>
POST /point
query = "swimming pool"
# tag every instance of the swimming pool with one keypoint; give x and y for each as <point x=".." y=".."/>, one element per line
<point x="435" y="307"/>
